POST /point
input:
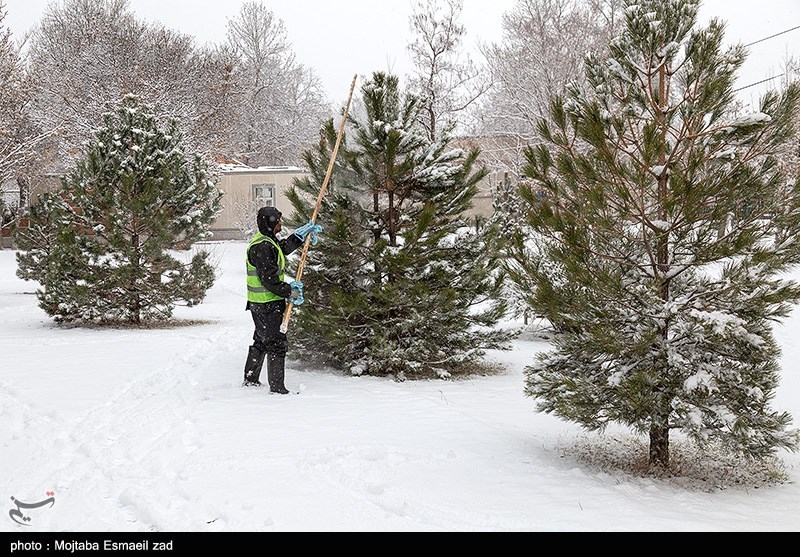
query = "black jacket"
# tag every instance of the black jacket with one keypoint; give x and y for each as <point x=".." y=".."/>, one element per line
<point x="264" y="257"/>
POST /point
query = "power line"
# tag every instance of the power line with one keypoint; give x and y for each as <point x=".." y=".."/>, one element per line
<point x="773" y="36"/>
<point x="758" y="83"/>
<point x="761" y="41"/>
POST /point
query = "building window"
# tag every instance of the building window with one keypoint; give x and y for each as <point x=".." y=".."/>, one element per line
<point x="264" y="195"/>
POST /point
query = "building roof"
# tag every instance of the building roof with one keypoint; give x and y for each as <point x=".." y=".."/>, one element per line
<point x="244" y="169"/>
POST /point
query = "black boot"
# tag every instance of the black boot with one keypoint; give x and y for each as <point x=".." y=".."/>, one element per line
<point x="252" y="368"/>
<point x="275" y="374"/>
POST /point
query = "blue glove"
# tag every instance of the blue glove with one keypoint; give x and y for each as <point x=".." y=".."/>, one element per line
<point x="297" y="293"/>
<point x="307" y="229"/>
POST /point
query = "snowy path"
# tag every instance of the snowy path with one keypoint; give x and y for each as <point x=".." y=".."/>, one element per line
<point x="126" y="453"/>
<point x="150" y="431"/>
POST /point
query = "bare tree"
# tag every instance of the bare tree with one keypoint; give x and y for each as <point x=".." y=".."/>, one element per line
<point x="281" y="102"/>
<point x="790" y="157"/>
<point x="13" y="103"/>
<point x="542" y="52"/>
<point x="86" y="55"/>
<point x="193" y="84"/>
<point x="243" y="209"/>
<point x="445" y="78"/>
<point x="19" y="137"/>
<point x="74" y="56"/>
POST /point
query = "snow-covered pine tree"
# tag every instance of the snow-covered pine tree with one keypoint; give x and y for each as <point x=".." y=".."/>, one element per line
<point x="508" y="216"/>
<point x="672" y="299"/>
<point x="400" y="285"/>
<point x="538" y="284"/>
<point x="100" y="247"/>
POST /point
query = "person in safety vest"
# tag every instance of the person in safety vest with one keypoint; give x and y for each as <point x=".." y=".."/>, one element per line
<point x="267" y="294"/>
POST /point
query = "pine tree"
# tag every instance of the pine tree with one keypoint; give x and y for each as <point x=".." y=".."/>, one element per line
<point x="669" y="230"/>
<point x="100" y="247"/>
<point x="401" y="285"/>
<point x="508" y="216"/>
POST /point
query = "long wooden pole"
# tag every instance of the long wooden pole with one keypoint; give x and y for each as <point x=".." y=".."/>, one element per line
<point x="301" y="266"/>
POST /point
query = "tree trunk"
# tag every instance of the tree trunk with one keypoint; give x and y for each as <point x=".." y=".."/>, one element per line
<point x="392" y="218"/>
<point x="659" y="446"/>
<point x="392" y="228"/>
<point x="376" y="236"/>
<point x="136" y="297"/>
<point x="24" y="194"/>
<point x="432" y="121"/>
<point x="659" y="430"/>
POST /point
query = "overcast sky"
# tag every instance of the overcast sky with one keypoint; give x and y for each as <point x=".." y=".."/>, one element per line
<point x="342" y="38"/>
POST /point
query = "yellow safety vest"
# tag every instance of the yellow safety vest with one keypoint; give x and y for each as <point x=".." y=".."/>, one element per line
<point x="255" y="290"/>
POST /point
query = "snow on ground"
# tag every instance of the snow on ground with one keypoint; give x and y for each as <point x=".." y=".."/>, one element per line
<point x="149" y="430"/>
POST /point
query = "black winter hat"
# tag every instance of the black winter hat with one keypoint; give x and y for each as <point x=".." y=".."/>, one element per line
<point x="267" y="220"/>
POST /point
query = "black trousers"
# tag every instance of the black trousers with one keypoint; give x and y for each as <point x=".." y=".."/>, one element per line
<point x="268" y="338"/>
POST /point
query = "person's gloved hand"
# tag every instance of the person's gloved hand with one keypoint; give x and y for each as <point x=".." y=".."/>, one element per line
<point x="297" y="293"/>
<point x="306" y="229"/>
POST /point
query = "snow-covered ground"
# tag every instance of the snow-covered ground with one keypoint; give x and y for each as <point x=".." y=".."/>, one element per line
<point x="149" y="430"/>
